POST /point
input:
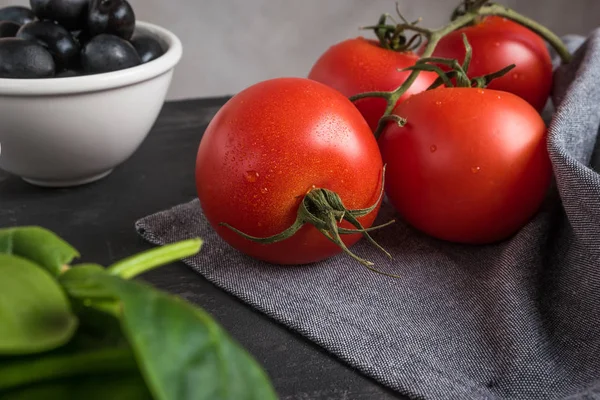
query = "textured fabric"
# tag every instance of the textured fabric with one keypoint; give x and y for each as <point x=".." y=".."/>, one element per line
<point x="515" y="320"/>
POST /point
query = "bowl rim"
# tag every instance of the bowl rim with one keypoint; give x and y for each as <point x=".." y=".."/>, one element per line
<point x="102" y="81"/>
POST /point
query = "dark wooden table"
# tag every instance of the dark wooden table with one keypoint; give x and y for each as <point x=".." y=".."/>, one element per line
<point x="98" y="220"/>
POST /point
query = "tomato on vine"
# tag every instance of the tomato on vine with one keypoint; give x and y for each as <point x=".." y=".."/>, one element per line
<point x="497" y="42"/>
<point x="466" y="164"/>
<point x="289" y="172"/>
<point x="465" y="173"/>
<point x="360" y="65"/>
<point x="529" y="79"/>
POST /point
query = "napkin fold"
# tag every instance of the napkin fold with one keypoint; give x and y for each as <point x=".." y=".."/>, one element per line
<point x="515" y="320"/>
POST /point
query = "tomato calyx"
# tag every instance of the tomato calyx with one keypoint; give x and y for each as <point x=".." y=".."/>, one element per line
<point x="457" y="71"/>
<point x="324" y="209"/>
<point x="393" y="37"/>
<point x="471" y="12"/>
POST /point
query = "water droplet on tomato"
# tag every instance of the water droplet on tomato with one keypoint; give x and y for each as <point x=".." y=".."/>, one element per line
<point x="251" y="176"/>
<point x="480" y="91"/>
<point x="438" y="103"/>
<point x="516" y="76"/>
<point x="499" y="97"/>
<point x="497" y="44"/>
<point x="264" y="190"/>
<point x="475" y="170"/>
<point x="433" y="148"/>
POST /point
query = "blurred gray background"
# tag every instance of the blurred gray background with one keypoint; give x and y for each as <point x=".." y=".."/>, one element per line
<point x="231" y="44"/>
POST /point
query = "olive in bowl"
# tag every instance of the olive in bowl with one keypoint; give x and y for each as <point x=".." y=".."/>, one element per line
<point x="8" y="29"/>
<point x="74" y="129"/>
<point x="82" y="36"/>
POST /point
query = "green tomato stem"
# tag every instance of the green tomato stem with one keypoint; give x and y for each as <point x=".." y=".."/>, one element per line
<point x="324" y="209"/>
<point x="135" y="265"/>
<point x="434" y="37"/>
<point x="541" y="30"/>
<point x="458" y="72"/>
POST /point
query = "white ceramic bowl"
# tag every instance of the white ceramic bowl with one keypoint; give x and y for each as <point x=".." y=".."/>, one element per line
<point x="69" y="131"/>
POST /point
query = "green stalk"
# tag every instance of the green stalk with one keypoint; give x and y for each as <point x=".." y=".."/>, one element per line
<point x="541" y="30"/>
<point x="434" y="37"/>
<point x="324" y="209"/>
<point x="135" y="265"/>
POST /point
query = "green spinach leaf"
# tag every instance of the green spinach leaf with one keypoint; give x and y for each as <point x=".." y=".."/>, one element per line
<point x="35" y="313"/>
<point x="28" y="370"/>
<point x="80" y="283"/>
<point x="182" y="352"/>
<point x="39" y="245"/>
<point x="123" y="386"/>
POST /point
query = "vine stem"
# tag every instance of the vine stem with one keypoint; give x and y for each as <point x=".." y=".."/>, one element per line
<point x="433" y="37"/>
<point x="541" y="30"/>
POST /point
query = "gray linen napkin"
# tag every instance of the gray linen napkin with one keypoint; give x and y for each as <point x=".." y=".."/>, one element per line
<point x="516" y="320"/>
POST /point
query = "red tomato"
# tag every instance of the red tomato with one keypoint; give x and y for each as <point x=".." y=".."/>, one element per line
<point x="497" y="43"/>
<point x="470" y="165"/>
<point x="360" y="65"/>
<point x="267" y="147"/>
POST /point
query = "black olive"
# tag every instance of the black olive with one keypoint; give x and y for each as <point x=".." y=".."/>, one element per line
<point x="82" y="37"/>
<point x="59" y="42"/>
<point x="69" y="73"/>
<point x="18" y="14"/>
<point x="105" y="53"/>
<point x="115" y="17"/>
<point x="8" y="28"/>
<point x="147" y="47"/>
<point x="24" y="59"/>
<point x="72" y="14"/>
